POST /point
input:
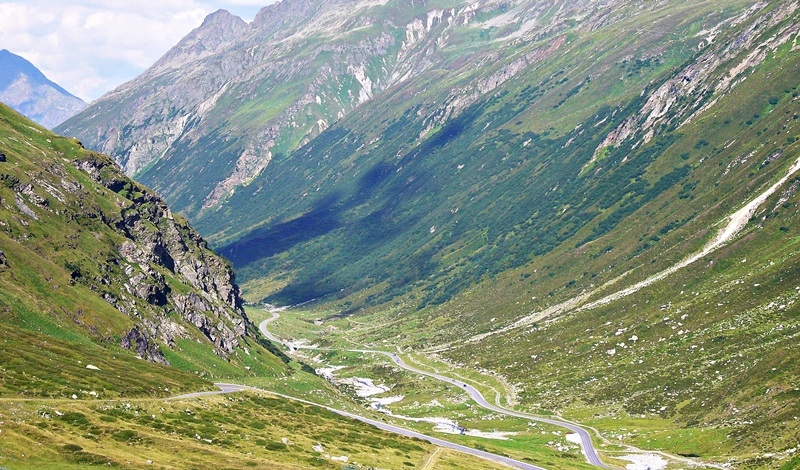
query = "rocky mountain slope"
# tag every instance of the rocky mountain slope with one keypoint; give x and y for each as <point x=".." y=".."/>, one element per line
<point x="533" y="188"/>
<point x="208" y="108"/>
<point x="105" y="252"/>
<point x="27" y="90"/>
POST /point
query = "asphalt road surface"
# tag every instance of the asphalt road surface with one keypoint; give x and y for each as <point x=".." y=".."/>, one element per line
<point x="586" y="441"/>
<point x="232" y="388"/>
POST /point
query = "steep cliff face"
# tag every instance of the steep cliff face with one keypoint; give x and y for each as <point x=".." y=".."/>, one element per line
<point x="117" y="239"/>
<point x="724" y="63"/>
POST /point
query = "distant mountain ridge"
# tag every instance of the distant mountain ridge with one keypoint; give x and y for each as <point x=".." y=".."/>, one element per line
<point x="25" y="88"/>
<point x="323" y="59"/>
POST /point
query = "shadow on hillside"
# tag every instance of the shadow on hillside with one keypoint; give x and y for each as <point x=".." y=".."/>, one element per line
<point x="324" y="217"/>
<point x="362" y="234"/>
<point x="262" y="243"/>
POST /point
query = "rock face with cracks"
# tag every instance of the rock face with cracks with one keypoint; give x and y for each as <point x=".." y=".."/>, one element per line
<point x="82" y="243"/>
<point x="159" y="245"/>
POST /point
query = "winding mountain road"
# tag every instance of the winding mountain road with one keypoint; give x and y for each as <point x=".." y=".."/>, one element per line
<point x="586" y="441"/>
<point x="233" y="388"/>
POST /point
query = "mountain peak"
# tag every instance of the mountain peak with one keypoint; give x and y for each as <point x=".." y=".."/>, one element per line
<point x="26" y="89"/>
<point x="222" y="18"/>
<point x="219" y="29"/>
<point x="13" y="65"/>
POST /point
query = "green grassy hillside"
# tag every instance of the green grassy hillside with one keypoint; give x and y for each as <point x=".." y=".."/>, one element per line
<point x="93" y="258"/>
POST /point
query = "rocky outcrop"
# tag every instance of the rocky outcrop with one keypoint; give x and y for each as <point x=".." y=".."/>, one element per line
<point x="102" y="254"/>
<point x="217" y="31"/>
<point x="700" y="84"/>
<point x="143" y="346"/>
<point x="159" y="246"/>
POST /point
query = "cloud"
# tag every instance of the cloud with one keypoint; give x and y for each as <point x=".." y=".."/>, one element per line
<point x="91" y="46"/>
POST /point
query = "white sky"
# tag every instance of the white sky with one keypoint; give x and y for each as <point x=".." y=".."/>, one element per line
<point x="90" y="47"/>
